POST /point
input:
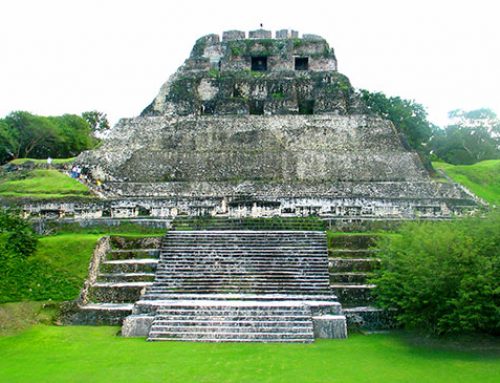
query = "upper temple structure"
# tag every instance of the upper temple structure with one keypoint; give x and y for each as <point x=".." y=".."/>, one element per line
<point x="252" y="125"/>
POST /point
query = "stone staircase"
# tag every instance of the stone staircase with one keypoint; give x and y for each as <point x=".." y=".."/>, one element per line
<point x="241" y="262"/>
<point x="233" y="321"/>
<point x="352" y="260"/>
<point x="120" y="271"/>
<point x="267" y="286"/>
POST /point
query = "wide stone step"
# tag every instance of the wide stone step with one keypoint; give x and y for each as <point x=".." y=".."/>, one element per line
<point x="241" y="288"/>
<point x="162" y="294"/>
<point x="370" y="318"/>
<point x="349" y="277"/>
<point x="126" y="277"/>
<point x="236" y="338"/>
<point x="257" y="277"/>
<point x="144" y="265"/>
<point x="228" y="320"/>
<point x="131" y="243"/>
<point x="348" y="253"/>
<point x="249" y="233"/>
<point x="127" y="292"/>
<point x="353" y="295"/>
<point x="111" y="314"/>
<point x="294" y="253"/>
<point x="237" y="282"/>
<point x="238" y="270"/>
<point x="251" y="241"/>
<point x="353" y="264"/>
<point x="156" y="300"/>
<point x="279" y="299"/>
<point x="300" y="329"/>
<point x="290" y="262"/>
<point x="283" y="262"/>
<point x="358" y="241"/>
<point x="133" y="254"/>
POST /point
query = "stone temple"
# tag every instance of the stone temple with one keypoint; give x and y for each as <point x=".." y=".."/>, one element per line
<point x="260" y="126"/>
<point x="249" y="127"/>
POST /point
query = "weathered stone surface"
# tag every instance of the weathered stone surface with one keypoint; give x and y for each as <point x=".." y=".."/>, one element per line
<point x="201" y="146"/>
<point x="330" y="326"/>
<point x="137" y="326"/>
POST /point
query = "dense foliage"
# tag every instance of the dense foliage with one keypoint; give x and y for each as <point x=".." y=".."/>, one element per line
<point x="98" y="121"/>
<point x="442" y="277"/>
<point x="23" y="134"/>
<point x="473" y="136"/>
<point x="409" y="117"/>
<point x="17" y="238"/>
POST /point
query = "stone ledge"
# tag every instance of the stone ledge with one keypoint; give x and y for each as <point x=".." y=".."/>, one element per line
<point x="330" y="326"/>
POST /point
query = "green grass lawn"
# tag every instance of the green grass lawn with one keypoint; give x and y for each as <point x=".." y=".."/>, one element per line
<point x="482" y="178"/>
<point x="56" y="271"/>
<point x="59" y="266"/>
<point x="40" y="183"/>
<point x="94" y="354"/>
<point x="37" y="161"/>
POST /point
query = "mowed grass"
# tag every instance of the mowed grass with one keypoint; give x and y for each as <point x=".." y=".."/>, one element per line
<point x="94" y="354"/>
<point x="37" y="161"/>
<point x="482" y="178"/>
<point x="40" y="183"/>
<point x="55" y="272"/>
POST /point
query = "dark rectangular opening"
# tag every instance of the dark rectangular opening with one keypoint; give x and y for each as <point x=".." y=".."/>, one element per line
<point x="236" y="91"/>
<point x="301" y="63"/>
<point x="256" y="107"/>
<point x="259" y="63"/>
<point x="306" y="107"/>
<point x="208" y="108"/>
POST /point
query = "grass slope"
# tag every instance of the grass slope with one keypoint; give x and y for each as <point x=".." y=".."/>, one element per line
<point x="18" y="316"/>
<point x="56" y="271"/>
<point x="482" y="178"/>
<point x="55" y="161"/>
<point x="41" y="183"/>
<point x="95" y="354"/>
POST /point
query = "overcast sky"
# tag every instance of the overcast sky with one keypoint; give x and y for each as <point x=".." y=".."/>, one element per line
<point x="69" y="56"/>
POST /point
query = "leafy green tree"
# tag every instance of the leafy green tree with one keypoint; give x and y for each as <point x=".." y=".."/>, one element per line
<point x="7" y="143"/>
<point x="26" y="135"/>
<point x="472" y="136"/>
<point x="73" y="135"/>
<point x="442" y="277"/>
<point x="33" y="135"/>
<point x="98" y="121"/>
<point x="409" y="117"/>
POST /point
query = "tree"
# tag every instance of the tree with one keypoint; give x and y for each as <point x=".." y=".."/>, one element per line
<point x="7" y="143"/>
<point x="23" y="134"/>
<point x="472" y="136"/>
<point x="33" y="135"/>
<point x="97" y="121"/>
<point x="409" y="118"/>
<point x="73" y="135"/>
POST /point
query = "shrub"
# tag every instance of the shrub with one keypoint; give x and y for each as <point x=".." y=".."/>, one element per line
<point x="442" y="277"/>
<point x="17" y="236"/>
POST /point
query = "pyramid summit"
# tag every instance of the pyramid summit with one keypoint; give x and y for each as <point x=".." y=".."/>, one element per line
<point x="254" y="125"/>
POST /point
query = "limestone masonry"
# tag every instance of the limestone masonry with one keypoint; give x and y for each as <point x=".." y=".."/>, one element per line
<point x="259" y="126"/>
